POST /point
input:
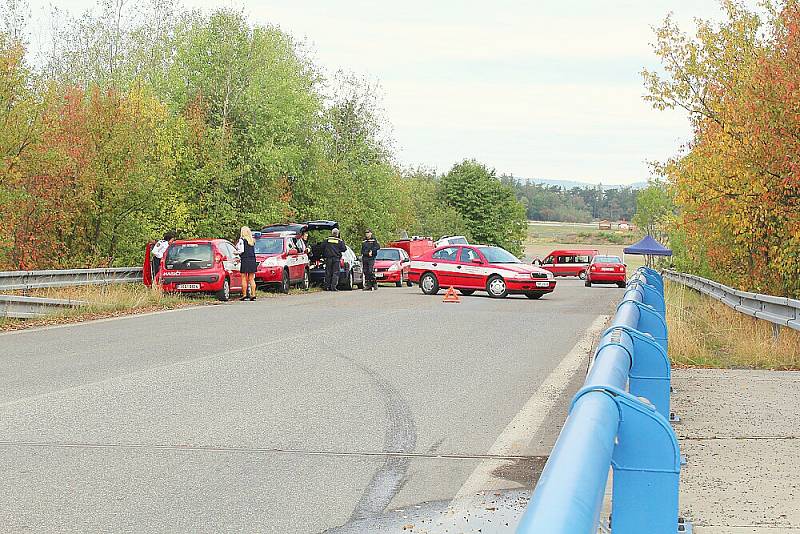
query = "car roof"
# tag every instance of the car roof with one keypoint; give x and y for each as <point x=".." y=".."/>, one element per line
<point x="573" y="251"/>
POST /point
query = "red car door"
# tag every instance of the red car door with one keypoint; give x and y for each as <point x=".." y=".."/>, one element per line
<point x="470" y="269"/>
<point x="444" y="263"/>
<point x="232" y="265"/>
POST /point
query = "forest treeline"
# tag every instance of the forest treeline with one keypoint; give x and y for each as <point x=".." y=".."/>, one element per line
<point x="141" y="119"/>
<point x="544" y="202"/>
<point x="731" y="200"/>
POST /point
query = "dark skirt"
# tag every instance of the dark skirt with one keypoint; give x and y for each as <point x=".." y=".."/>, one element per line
<point x="249" y="265"/>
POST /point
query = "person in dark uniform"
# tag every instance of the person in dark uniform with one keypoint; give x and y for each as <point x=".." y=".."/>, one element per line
<point x="332" y="253"/>
<point x="369" y="249"/>
<point x="249" y="265"/>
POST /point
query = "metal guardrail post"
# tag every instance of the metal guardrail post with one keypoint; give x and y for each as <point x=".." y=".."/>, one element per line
<point x="625" y="406"/>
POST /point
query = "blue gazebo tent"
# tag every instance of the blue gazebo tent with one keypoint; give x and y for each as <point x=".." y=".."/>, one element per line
<point x="648" y="247"/>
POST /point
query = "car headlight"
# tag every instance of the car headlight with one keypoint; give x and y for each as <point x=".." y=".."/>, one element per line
<point x="272" y="261"/>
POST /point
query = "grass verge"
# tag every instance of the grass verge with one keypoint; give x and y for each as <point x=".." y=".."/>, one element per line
<point x="105" y="301"/>
<point x="704" y="332"/>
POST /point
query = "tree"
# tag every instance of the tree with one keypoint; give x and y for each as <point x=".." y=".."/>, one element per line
<point x="489" y="207"/>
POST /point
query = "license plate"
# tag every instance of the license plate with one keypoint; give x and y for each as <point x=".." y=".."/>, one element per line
<point x="607" y="269"/>
<point x="188" y="286"/>
<point x="542" y="284"/>
<point x="378" y="275"/>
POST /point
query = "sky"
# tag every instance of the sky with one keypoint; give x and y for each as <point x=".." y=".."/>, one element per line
<point x="531" y="88"/>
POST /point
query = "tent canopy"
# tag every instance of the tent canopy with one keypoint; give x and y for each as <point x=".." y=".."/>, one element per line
<point x="649" y="247"/>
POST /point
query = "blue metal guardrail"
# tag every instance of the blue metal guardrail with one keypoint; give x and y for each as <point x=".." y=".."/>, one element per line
<point x="619" y="420"/>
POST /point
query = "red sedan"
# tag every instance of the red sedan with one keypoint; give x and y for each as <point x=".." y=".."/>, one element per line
<point x="606" y="270"/>
<point x="281" y="261"/>
<point x="392" y="265"/>
<point x="471" y="268"/>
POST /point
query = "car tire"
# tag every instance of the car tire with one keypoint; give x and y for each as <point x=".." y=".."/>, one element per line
<point x="622" y="285"/>
<point x="306" y="282"/>
<point x="496" y="287"/>
<point x="582" y="275"/>
<point x="351" y="282"/>
<point x="284" y="287"/>
<point x="534" y="296"/>
<point x="587" y="283"/>
<point x="429" y="284"/>
<point x="466" y="292"/>
<point x="224" y="294"/>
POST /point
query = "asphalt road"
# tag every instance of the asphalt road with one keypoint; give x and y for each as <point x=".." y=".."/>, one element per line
<point x="289" y="414"/>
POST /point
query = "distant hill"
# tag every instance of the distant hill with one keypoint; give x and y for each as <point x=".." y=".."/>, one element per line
<point x="569" y="184"/>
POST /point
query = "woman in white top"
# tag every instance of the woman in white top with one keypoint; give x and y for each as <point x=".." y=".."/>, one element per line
<point x="247" y="253"/>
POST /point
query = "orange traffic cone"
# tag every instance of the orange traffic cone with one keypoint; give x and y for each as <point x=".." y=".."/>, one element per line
<point x="450" y="295"/>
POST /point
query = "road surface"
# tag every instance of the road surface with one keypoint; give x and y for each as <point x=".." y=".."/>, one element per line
<point x="310" y="413"/>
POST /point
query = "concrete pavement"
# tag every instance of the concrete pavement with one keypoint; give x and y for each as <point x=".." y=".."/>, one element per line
<point x="740" y="432"/>
<point x="293" y="414"/>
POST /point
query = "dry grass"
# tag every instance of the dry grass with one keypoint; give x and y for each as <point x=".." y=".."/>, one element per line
<point x="704" y="332"/>
<point x="103" y="301"/>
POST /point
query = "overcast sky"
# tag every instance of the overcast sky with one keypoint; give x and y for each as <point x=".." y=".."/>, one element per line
<point x="538" y="89"/>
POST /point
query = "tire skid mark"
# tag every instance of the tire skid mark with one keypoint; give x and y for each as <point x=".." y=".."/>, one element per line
<point x="400" y="436"/>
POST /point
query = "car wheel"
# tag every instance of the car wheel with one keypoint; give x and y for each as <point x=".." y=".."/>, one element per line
<point x="496" y="287"/>
<point x="587" y="283"/>
<point x="582" y="275"/>
<point x="534" y="296"/>
<point x="305" y="284"/>
<point x="284" y="287"/>
<point x="429" y="284"/>
<point x="466" y="292"/>
<point x="224" y="294"/>
<point x="351" y="281"/>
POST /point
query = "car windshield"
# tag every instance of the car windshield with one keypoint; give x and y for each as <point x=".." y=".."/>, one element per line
<point x="606" y="259"/>
<point x="388" y="254"/>
<point x="189" y="256"/>
<point x="498" y="255"/>
<point x="269" y="245"/>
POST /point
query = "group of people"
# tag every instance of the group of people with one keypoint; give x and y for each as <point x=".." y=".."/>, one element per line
<point x="330" y="251"/>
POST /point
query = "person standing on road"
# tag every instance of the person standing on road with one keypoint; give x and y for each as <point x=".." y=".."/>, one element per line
<point x="369" y="249"/>
<point x="249" y="265"/>
<point x="157" y="252"/>
<point x="332" y="253"/>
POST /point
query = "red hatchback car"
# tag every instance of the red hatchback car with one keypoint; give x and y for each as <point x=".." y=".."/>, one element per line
<point x="201" y="266"/>
<point x="606" y="270"/>
<point x="392" y="265"/>
<point x="280" y="261"/>
<point x="471" y="268"/>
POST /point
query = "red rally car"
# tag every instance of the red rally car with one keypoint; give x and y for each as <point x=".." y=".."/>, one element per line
<point x="201" y="266"/>
<point x="392" y="265"/>
<point x="471" y="268"/>
<point x="606" y="270"/>
<point x="282" y="260"/>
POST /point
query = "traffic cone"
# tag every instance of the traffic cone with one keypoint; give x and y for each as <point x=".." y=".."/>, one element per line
<point x="450" y="295"/>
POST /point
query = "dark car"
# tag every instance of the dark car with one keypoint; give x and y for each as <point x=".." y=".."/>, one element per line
<point x="350" y="271"/>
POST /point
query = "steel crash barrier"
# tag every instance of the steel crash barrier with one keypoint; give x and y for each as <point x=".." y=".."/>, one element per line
<point x="619" y="421"/>
<point x="24" y="280"/>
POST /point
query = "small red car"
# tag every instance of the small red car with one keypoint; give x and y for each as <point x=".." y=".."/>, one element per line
<point x="392" y="265"/>
<point x="606" y="270"/>
<point x="282" y="262"/>
<point x="471" y="268"/>
<point x="201" y="266"/>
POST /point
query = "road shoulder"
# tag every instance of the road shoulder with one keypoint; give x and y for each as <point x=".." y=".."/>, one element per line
<point x="740" y="431"/>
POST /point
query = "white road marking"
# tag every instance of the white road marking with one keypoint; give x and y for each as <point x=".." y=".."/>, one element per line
<point x="529" y="420"/>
